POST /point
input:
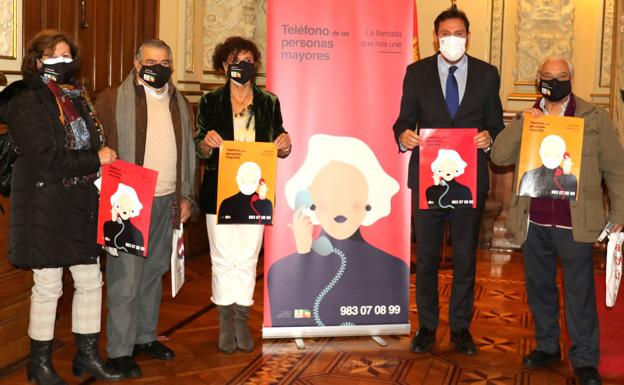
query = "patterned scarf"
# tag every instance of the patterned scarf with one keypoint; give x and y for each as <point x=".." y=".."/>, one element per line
<point x="77" y="135"/>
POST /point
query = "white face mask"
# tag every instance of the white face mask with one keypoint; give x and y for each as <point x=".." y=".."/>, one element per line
<point x="56" y="60"/>
<point x="452" y="47"/>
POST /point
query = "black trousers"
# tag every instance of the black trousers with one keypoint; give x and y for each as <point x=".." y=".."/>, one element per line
<point x="429" y="224"/>
<point x="540" y="249"/>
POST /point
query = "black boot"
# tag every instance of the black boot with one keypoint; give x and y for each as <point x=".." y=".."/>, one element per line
<point x="244" y="341"/>
<point x="88" y="359"/>
<point x="227" y="343"/>
<point x="40" y="370"/>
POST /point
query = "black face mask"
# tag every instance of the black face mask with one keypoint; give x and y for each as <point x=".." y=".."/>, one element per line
<point x="555" y="90"/>
<point x="156" y="75"/>
<point x="241" y="72"/>
<point x="60" y="72"/>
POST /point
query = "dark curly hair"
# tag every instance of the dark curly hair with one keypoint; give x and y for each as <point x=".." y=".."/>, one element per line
<point x="232" y="46"/>
<point x="43" y="44"/>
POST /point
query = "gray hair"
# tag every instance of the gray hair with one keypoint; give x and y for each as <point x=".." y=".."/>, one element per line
<point x="153" y="43"/>
<point x="555" y="58"/>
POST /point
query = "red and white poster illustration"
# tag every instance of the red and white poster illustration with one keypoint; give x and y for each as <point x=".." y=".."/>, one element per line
<point x="448" y="168"/>
<point x="126" y="197"/>
<point x="337" y="255"/>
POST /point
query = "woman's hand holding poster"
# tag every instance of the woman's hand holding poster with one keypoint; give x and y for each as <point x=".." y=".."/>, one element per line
<point x="246" y="185"/>
<point x="448" y="168"/>
<point x="550" y="157"/>
<point x="125" y="207"/>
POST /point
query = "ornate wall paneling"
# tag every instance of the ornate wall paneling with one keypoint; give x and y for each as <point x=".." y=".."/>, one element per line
<point x="602" y="89"/>
<point x="221" y="19"/>
<point x="496" y="37"/>
<point x="544" y="27"/>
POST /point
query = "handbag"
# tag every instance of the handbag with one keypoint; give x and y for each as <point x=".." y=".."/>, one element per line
<point x="8" y="155"/>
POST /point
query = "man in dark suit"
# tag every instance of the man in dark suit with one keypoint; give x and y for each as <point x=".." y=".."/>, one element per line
<point x="449" y="89"/>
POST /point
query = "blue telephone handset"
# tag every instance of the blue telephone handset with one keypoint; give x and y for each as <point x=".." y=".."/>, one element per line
<point x="322" y="245"/>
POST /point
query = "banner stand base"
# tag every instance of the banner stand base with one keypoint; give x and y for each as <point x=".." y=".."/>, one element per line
<point x="300" y="344"/>
<point x="380" y="341"/>
<point x="301" y="332"/>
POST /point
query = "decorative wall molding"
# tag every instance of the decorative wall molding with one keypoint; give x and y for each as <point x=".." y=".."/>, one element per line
<point x="260" y="28"/>
<point x="8" y="29"/>
<point x="224" y="18"/>
<point x="607" y="43"/>
<point x="545" y="27"/>
<point x="189" y="35"/>
<point x="496" y="38"/>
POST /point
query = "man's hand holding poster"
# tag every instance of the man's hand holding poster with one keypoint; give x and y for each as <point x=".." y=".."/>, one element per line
<point x="125" y="207"/>
<point x="550" y="157"/>
<point x="448" y="168"/>
<point x="246" y="185"/>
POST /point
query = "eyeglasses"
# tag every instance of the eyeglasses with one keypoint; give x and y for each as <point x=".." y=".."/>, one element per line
<point x="561" y="76"/>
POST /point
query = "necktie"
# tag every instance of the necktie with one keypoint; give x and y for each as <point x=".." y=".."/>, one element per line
<point x="452" y="92"/>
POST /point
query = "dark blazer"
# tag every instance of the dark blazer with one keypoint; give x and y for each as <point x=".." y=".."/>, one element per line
<point x="423" y="106"/>
<point x="50" y="225"/>
<point x="215" y="113"/>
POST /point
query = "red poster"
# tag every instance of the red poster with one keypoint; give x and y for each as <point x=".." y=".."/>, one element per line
<point x="125" y="207"/>
<point x="448" y="168"/>
<point x="342" y="196"/>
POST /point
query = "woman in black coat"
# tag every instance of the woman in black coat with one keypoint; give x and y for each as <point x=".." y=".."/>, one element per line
<point x="54" y="202"/>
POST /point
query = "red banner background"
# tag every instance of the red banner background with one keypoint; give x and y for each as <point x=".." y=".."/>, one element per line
<point x="337" y="68"/>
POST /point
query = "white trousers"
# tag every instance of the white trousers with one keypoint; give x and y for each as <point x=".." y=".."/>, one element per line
<point x="234" y="253"/>
<point x="86" y="306"/>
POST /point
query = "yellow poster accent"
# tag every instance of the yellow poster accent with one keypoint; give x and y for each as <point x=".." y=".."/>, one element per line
<point x="550" y="157"/>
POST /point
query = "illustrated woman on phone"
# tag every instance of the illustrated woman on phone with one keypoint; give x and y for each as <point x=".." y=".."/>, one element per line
<point x="338" y="278"/>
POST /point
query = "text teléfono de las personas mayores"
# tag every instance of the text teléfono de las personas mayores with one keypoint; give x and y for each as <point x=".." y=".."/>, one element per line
<point x="305" y="37"/>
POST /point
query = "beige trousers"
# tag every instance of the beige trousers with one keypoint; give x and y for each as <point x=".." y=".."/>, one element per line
<point x="234" y="254"/>
<point x="86" y="306"/>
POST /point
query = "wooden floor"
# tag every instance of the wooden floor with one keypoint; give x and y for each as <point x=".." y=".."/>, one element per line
<point x="502" y="328"/>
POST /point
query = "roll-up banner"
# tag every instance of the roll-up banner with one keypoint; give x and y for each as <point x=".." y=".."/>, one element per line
<point x="337" y="256"/>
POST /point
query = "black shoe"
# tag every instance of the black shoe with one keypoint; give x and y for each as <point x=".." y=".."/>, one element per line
<point x="40" y="370"/>
<point x="539" y="359"/>
<point x="126" y="366"/>
<point x="588" y="375"/>
<point x="154" y="349"/>
<point x="423" y="340"/>
<point x="87" y="359"/>
<point x="463" y="342"/>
